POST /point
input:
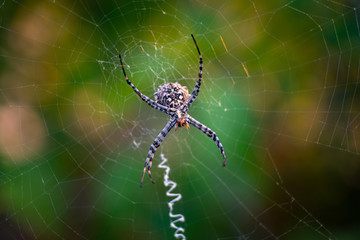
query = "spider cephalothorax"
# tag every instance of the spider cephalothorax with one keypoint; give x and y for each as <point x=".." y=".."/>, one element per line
<point x="174" y="100"/>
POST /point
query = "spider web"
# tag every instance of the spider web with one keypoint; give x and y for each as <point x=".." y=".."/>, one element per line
<point x="280" y="88"/>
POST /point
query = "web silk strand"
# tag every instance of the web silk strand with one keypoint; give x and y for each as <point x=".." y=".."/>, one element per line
<point x="178" y="196"/>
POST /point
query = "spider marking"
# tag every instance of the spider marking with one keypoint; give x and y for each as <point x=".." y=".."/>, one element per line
<point x="174" y="100"/>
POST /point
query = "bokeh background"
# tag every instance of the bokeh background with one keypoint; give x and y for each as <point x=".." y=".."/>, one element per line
<point x="281" y="89"/>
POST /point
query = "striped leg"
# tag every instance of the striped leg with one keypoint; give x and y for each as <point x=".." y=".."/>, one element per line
<point x="196" y="90"/>
<point x="154" y="147"/>
<point x="210" y="133"/>
<point x="145" y="98"/>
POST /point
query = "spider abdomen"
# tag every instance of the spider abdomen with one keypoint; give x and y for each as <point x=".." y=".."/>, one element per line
<point x="172" y="95"/>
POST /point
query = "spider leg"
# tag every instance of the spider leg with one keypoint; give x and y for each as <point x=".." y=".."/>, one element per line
<point x="155" y="146"/>
<point x="145" y="98"/>
<point x="210" y="133"/>
<point x="196" y="90"/>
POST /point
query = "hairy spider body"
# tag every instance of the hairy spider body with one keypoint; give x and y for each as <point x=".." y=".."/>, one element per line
<point x="174" y="100"/>
<point x="172" y="95"/>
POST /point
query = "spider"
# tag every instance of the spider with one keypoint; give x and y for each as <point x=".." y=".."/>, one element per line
<point x="174" y="100"/>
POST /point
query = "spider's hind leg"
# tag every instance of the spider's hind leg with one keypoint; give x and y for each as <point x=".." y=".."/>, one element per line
<point x="154" y="147"/>
<point x="210" y="133"/>
<point x="149" y="166"/>
<point x="149" y="158"/>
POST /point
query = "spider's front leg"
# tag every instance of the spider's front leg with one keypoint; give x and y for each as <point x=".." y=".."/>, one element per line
<point x="196" y="90"/>
<point x="155" y="146"/>
<point x="143" y="97"/>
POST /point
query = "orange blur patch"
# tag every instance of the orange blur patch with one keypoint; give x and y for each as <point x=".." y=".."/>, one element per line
<point x="222" y="40"/>
<point x="246" y="71"/>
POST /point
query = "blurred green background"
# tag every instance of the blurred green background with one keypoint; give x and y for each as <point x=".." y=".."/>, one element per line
<point x="280" y="88"/>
